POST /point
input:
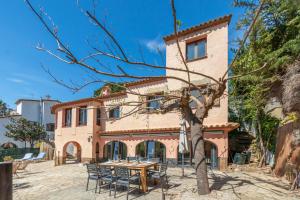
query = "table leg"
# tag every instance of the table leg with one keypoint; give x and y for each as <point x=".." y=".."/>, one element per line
<point x="156" y="168"/>
<point x="144" y="180"/>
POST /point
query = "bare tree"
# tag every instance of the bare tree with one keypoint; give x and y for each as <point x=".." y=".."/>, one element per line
<point x="173" y="100"/>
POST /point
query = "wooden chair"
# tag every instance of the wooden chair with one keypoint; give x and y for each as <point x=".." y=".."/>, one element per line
<point x="23" y="165"/>
<point x="15" y="168"/>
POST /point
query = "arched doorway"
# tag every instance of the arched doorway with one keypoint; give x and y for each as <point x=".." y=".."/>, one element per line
<point x="97" y="152"/>
<point x="151" y="149"/>
<point x="72" y="152"/>
<point x="115" y="150"/>
<point x="188" y="160"/>
<point x="211" y="154"/>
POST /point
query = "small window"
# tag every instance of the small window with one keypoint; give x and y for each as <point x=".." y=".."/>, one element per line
<point x="196" y="50"/>
<point x="68" y="117"/>
<point x="82" y="116"/>
<point x="114" y="113"/>
<point x="50" y="127"/>
<point x="153" y="102"/>
<point x="98" y="116"/>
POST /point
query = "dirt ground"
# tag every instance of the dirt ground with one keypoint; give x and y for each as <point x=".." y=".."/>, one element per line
<point x="44" y="181"/>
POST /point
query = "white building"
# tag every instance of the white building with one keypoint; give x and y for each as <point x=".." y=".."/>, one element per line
<point x="33" y="110"/>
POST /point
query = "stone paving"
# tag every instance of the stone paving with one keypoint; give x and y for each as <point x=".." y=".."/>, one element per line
<point x="43" y="181"/>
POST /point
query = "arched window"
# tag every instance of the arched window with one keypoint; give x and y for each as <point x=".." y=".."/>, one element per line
<point x="151" y="149"/>
<point x="115" y="150"/>
<point x="211" y="154"/>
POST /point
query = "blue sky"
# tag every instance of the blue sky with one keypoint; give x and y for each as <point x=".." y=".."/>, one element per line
<point x="137" y="25"/>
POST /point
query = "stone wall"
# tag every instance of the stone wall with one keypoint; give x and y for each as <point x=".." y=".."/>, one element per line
<point x="287" y="148"/>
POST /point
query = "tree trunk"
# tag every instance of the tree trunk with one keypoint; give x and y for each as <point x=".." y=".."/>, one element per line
<point x="262" y="161"/>
<point x="199" y="156"/>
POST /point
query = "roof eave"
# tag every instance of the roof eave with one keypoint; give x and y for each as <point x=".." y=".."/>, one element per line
<point x="211" y="23"/>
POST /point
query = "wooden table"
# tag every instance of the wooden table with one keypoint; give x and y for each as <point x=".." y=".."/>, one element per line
<point x="142" y="167"/>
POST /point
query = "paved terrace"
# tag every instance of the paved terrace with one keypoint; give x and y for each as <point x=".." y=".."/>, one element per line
<point x="44" y="181"/>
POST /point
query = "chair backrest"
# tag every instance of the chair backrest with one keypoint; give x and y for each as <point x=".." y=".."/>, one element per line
<point x="15" y="167"/>
<point x="122" y="172"/>
<point x="105" y="171"/>
<point x="28" y="156"/>
<point x="92" y="168"/>
<point x="163" y="167"/>
<point x="157" y="160"/>
<point x="132" y="158"/>
<point x="23" y="165"/>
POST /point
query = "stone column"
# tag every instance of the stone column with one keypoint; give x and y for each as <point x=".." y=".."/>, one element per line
<point x="6" y="181"/>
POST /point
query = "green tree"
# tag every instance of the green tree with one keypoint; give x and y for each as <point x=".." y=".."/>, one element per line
<point x="274" y="41"/>
<point x="113" y="87"/>
<point x="3" y="108"/>
<point x="25" y="131"/>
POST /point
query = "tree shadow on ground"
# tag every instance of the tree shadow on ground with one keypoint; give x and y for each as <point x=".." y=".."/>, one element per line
<point x="134" y="193"/>
<point x="221" y="181"/>
<point x="18" y="186"/>
<point x="31" y="173"/>
<point x="274" y="183"/>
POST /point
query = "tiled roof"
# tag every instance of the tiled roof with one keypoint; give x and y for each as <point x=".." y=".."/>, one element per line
<point x="230" y="126"/>
<point x="199" y="27"/>
<point x="144" y="81"/>
<point x="113" y="95"/>
<point x="85" y="100"/>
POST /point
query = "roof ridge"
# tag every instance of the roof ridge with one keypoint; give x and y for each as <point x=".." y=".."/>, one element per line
<point x="213" y="22"/>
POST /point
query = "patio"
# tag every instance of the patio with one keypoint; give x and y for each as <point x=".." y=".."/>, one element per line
<point x="44" y="181"/>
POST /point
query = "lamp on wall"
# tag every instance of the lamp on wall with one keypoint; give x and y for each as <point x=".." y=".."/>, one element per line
<point x="90" y="138"/>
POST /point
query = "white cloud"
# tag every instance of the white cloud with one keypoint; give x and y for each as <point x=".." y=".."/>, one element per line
<point x="32" y="78"/>
<point x="155" y="45"/>
<point x="15" y="80"/>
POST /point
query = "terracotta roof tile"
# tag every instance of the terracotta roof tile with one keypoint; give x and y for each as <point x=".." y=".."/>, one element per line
<point x="85" y="100"/>
<point x="199" y="27"/>
<point x="229" y="125"/>
<point x="144" y="81"/>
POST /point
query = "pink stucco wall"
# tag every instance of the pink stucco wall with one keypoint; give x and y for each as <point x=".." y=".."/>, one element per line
<point x="214" y="65"/>
<point x="79" y="134"/>
<point x="171" y="143"/>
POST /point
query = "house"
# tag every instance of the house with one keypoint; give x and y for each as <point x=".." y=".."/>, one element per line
<point x="33" y="110"/>
<point x="99" y="130"/>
